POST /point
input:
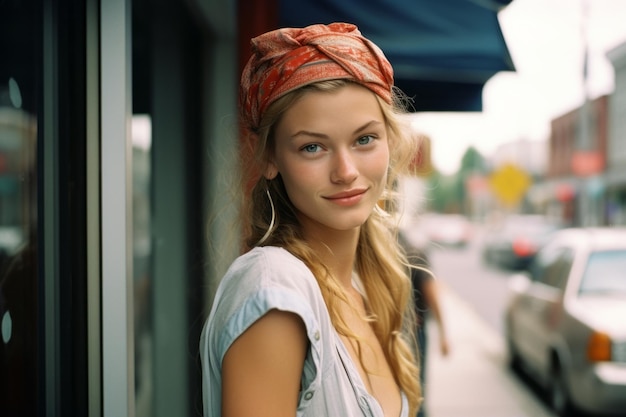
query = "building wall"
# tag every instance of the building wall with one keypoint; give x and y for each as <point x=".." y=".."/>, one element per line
<point x="529" y="155"/>
<point x="578" y="146"/>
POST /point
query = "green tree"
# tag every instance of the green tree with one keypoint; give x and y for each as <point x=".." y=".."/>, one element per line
<point x="441" y="192"/>
<point x="472" y="162"/>
<point x="447" y="192"/>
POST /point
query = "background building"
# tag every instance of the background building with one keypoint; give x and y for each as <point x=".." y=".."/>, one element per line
<point x="575" y="182"/>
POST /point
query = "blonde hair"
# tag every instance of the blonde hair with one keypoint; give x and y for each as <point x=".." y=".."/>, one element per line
<point x="380" y="261"/>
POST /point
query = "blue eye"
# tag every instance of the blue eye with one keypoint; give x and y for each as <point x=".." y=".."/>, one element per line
<point x="311" y="148"/>
<point x="364" y="140"/>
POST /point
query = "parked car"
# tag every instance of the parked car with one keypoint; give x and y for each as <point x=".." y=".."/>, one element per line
<point x="513" y="242"/>
<point x="566" y="321"/>
<point x="451" y="230"/>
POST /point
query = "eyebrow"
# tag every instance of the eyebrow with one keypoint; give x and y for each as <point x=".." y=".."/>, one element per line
<point x="323" y="136"/>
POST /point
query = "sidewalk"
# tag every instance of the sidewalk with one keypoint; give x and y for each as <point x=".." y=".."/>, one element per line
<point x="473" y="380"/>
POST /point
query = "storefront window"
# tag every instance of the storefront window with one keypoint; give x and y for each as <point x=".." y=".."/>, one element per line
<point x="19" y="97"/>
<point x="142" y="253"/>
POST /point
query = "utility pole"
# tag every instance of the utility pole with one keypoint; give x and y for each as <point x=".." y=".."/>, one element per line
<point x="584" y="143"/>
<point x="589" y="163"/>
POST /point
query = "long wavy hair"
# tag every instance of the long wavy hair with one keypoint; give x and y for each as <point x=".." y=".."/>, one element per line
<point x="380" y="262"/>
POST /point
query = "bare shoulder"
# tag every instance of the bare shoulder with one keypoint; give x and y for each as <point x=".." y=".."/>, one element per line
<point x="264" y="366"/>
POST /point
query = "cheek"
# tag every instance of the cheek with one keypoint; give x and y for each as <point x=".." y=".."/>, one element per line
<point x="299" y="178"/>
<point x="380" y="166"/>
<point x="296" y="172"/>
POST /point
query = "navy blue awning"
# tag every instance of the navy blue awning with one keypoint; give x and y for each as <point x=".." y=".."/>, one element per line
<point x="442" y="51"/>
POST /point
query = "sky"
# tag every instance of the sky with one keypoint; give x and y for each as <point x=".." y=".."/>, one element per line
<point x="546" y="41"/>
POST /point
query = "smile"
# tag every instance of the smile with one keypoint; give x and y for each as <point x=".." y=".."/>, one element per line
<point x="347" y="198"/>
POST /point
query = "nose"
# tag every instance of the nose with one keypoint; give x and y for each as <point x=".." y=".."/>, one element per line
<point x="344" y="169"/>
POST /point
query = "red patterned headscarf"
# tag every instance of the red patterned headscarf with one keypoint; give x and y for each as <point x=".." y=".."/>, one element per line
<point x="286" y="59"/>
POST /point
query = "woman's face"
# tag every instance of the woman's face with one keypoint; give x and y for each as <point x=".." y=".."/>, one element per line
<point x="332" y="152"/>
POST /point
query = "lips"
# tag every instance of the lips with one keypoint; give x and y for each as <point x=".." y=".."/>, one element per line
<point x="347" y="198"/>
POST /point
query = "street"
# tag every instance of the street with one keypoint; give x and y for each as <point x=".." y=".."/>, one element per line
<point x="481" y="286"/>
<point x="474" y="379"/>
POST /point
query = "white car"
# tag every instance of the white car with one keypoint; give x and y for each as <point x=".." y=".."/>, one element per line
<point x="566" y="321"/>
<point x="452" y="230"/>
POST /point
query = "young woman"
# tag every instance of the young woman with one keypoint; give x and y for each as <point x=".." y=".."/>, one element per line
<point x="315" y="318"/>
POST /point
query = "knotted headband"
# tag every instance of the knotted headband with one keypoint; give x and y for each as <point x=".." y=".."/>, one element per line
<point x="286" y="59"/>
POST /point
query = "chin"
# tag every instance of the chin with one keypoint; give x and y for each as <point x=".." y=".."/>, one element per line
<point x="351" y="224"/>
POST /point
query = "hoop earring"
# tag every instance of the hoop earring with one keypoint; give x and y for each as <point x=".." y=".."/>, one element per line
<point x="272" y="221"/>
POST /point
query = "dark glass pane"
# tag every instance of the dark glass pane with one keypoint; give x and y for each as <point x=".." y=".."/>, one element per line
<point x="142" y="257"/>
<point x="20" y="46"/>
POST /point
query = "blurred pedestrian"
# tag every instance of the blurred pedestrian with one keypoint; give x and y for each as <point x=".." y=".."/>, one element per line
<point x="311" y="320"/>
<point x="426" y="299"/>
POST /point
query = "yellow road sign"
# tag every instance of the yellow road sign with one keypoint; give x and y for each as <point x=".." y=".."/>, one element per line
<point x="509" y="183"/>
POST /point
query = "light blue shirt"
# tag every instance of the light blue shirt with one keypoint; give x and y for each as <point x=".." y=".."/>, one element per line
<point x="271" y="278"/>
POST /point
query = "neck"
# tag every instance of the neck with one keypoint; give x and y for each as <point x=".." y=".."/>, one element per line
<point x="337" y="250"/>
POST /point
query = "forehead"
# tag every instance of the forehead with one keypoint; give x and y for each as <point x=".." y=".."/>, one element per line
<point x="343" y="107"/>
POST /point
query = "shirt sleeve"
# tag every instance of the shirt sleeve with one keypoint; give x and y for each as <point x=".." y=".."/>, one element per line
<point x="264" y="280"/>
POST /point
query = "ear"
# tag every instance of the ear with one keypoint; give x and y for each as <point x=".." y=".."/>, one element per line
<point x="271" y="170"/>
